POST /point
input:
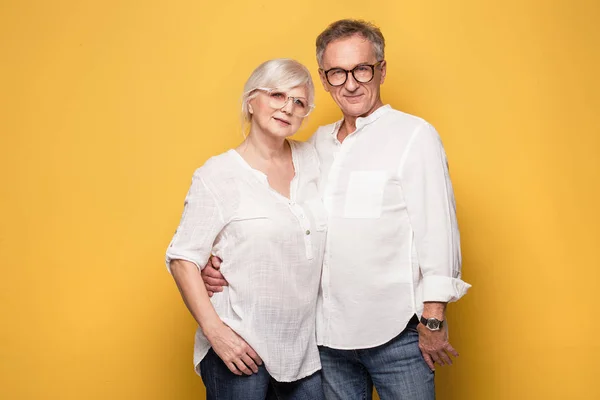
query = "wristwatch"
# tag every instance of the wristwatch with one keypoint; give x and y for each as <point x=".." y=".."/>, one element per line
<point x="433" y="324"/>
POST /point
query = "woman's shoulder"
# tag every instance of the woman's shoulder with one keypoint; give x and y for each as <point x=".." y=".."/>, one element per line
<point x="303" y="148"/>
<point x="306" y="154"/>
<point x="216" y="167"/>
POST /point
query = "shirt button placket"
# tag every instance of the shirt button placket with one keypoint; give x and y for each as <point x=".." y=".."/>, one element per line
<point x="305" y="225"/>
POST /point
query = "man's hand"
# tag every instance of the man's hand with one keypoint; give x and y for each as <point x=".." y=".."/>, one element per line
<point x="233" y="350"/>
<point x="434" y="346"/>
<point x="212" y="277"/>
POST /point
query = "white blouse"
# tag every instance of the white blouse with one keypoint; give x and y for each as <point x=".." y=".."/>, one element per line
<point x="272" y="251"/>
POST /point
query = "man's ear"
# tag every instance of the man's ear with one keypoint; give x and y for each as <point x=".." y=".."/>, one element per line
<point x="323" y="80"/>
<point x="383" y="67"/>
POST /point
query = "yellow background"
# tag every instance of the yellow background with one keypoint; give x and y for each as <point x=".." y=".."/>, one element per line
<point x="107" y="107"/>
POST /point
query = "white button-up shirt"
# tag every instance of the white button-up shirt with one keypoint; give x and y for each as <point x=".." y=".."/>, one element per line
<point x="272" y="251"/>
<point x="392" y="240"/>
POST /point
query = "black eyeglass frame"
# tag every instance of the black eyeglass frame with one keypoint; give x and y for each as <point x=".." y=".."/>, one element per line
<point x="372" y="66"/>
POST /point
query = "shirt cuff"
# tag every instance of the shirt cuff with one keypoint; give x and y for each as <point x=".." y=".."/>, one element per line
<point x="171" y="256"/>
<point x="443" y="289"/>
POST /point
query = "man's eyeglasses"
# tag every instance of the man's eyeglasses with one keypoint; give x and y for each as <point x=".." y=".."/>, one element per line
<point x="362" y="73"/>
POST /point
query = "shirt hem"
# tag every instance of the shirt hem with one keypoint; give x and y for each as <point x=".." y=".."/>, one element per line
<point x="301" y="376"/>
<point x="363" y="346"/>
<point x="277" y="378"/>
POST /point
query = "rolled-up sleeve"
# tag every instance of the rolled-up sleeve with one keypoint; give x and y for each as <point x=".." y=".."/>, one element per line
<point x="431" y="208"/>
<point x="200" y="224"/>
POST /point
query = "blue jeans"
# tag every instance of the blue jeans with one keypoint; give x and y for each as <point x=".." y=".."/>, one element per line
<point x="222" y="384"/>
<point x="396" y="368"/>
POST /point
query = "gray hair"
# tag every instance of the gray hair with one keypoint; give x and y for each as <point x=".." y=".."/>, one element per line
<point x="280" y="73"/>
<point x="346" y="28"/>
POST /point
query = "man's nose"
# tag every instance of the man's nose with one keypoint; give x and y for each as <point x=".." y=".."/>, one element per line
<point x="351" y="84"/>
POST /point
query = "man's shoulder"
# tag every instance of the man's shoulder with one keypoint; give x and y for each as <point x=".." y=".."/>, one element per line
<point x="412" y="128"/>
<point x="404" y="120"/>
<point x="327" y="128"/>
<point x="322" y="131"/>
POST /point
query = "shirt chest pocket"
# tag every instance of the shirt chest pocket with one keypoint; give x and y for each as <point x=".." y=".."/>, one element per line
<point x="251" y="221"/>
<point x="249" y="211"/>
<point x="364" y="195"/>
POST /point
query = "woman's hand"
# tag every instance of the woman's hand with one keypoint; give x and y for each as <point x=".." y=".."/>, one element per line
<point x="229" y="346"/>
<point x="233" y="350"/>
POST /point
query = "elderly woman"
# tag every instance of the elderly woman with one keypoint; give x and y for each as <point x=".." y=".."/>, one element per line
<point x="258" y="208"/>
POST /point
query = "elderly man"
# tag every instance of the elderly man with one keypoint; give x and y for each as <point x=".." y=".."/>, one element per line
<point x="386" y="187"/>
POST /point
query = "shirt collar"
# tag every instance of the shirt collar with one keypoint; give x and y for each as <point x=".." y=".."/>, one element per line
<point x="363" y="121"/>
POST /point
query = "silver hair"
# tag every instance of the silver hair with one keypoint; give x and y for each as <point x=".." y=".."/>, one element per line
<point x="346" y="28"/>
<point x="280" y="73"/>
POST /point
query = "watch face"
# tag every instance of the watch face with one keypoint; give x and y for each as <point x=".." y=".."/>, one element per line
<point x="433" y="324"/>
